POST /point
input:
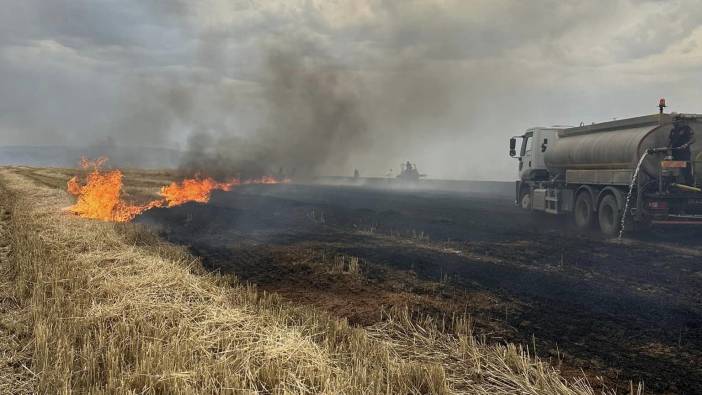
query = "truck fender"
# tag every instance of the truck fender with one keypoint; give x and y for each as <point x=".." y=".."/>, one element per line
<point x="593" y="194"/>
<point x="618" y="194"/>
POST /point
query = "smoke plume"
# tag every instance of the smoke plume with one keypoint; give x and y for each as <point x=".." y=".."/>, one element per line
<point x="314" y="121"/>
<point x="323" y="87"/>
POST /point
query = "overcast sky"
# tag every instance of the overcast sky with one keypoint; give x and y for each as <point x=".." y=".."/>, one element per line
<point x="443" y="83"/>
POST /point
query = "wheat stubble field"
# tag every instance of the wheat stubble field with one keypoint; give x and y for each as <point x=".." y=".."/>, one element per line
<point x="97" y="307"/>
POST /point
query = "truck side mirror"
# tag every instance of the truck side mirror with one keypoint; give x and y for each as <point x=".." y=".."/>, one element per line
<point x="512" y="147"/>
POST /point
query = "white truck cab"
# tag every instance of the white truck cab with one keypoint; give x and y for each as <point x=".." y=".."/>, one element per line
<point x="534" y="144"/>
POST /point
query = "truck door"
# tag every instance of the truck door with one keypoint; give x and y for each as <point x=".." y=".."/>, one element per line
<point x="525" y="156"/>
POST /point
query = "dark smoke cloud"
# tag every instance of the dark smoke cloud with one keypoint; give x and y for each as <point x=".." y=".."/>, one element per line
<point x="314" y="120"/>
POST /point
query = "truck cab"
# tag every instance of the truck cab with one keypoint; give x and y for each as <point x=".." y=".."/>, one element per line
<point x="533" y="145"/>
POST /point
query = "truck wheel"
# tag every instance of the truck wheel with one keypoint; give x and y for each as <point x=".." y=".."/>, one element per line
<point x="583" y="212"/>
<point x="609" y="216"/>
<point x="525" y="200"/>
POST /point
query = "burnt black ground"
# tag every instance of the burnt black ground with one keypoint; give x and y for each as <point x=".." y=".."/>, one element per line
<point x="626" y="311"/>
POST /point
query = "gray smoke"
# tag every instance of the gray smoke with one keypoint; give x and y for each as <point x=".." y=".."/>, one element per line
<point x="253" y="86"/>
<point x="314" y="121"/>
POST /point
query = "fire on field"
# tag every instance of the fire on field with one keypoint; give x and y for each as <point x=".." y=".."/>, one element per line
<point x="114" y="308"/>
<point x="100" y="195"/>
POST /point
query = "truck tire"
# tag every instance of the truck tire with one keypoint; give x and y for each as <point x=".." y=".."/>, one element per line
<point x="583" y="212"/>
<point x="609" y="215"/>
<point x="525" y="199"/>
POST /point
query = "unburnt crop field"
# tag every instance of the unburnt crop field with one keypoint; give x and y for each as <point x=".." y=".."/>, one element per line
<point x="293" y="288"/>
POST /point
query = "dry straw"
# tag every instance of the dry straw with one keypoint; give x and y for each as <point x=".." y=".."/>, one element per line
<point x="111" y="308"/>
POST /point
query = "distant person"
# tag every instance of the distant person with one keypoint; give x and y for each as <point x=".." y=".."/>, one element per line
<point x="356" y="174"/>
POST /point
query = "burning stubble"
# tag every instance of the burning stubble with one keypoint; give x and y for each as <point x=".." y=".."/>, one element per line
<point x="100" y="195"/>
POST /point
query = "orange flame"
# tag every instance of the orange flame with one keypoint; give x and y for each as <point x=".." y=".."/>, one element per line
<point x="193" y="190"/>
<point x="266" y="180"/>
<point x="101" y="195"/>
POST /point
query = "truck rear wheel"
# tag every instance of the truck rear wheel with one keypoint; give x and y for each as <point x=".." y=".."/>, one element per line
<point x="583" y="212"/>
<point x="609" y="216"/>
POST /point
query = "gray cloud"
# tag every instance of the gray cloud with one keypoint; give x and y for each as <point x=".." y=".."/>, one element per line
<point x="365" y="83"/>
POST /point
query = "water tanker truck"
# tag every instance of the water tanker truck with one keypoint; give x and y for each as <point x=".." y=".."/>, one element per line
<point x="627" y="173"/>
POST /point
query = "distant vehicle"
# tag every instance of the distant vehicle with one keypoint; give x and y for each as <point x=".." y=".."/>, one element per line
<point x="587" y="171"/>
<point x="409" y="172"/>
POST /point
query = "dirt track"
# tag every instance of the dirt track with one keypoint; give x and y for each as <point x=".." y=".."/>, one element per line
<point x="624" y="311"/>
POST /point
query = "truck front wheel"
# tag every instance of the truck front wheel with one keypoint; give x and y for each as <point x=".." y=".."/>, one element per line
<point x="525" y="199"/>
<point x="584" y="213"/>
<point x="609" y="216"/>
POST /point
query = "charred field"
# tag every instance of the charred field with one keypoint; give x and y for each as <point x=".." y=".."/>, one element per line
<point x="626" y="312"/>
<point x="301" y="259"/>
